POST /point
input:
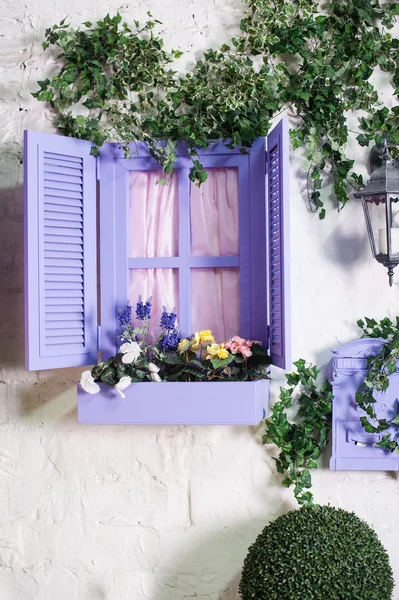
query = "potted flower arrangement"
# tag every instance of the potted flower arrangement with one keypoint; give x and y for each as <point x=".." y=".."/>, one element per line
<point x="183" y="365"/>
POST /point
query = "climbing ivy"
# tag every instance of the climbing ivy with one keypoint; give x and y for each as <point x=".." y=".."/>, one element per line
<point x="302" y="440"/>
<point x="379" y="369"/>
<point x="117" y="82"/>
<point x="300" y="421"/>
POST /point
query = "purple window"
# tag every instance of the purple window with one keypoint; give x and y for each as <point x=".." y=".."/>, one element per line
<point x="218" y="253"/>
<point x="212" y="269"/>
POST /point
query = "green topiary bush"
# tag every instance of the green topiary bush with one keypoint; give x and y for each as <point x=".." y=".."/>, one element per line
<point x="317" y="553"/>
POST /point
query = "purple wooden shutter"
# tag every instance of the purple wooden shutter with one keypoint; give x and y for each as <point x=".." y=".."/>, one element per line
<point x="60" y="252"/>
<point x="278" y="232"/>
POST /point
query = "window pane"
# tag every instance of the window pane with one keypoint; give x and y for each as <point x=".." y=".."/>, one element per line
<point x="162" y="285"/>
<point x="215" y="301"/>
<point x="153" y="215"/>
<point x="214" y="214"/>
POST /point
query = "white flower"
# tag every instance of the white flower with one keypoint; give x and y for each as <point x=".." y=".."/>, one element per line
<point x="122" y="384"/>
<point x="88" y="384"/>
<point x="131" y="351"/>
<point x="153" y="369"/>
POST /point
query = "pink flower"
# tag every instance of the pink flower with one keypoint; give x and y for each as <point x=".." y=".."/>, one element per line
<point x="236" y="340"/>
<point x="245" y="351"/>
<point x="237" y="344"/>
<point x="234" y="347"/>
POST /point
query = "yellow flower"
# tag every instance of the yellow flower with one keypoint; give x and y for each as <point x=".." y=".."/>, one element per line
<point x="223" y="353"/>
<point x="182" y="345"/>
<point x="195" y="342"/>
<point x="216" y="350"/>
<point x="212" y="350"/>
<point x="206" y="336"/>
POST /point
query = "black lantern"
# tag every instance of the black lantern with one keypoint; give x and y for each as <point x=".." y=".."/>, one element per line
<point x="380" y="200"/>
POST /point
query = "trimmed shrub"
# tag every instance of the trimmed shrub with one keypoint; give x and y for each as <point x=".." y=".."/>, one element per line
<point x="317" y="553"/>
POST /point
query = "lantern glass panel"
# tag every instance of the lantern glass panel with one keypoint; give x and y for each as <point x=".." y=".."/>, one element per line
<point x="381" y="221"/>
<point x="394" y="210"/>
<point x="376" y="213"/>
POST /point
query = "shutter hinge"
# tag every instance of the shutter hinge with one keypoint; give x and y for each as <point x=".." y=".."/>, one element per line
<point x="266" y="160"/>
<point x="98" y="168"/>
<point x="98" y="337"/>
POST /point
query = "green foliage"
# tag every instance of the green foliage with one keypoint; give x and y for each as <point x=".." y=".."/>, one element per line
<point x="182" y="367"/>
<point x="196" y="358"/>
<point x="301" y="441"/>
<point x="317" y="553"/>
<point x="120" y="83"/>
<point x="379" y="369"/>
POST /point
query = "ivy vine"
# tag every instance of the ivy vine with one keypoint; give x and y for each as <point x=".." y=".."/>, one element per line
<point x="302" y="439"/>
<point x="379" y="369"/>
<point x="117" y="82"/>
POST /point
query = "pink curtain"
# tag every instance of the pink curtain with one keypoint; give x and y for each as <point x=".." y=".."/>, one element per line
<point x="153" y="215"/>
<point x="216" y="301"/>
<point x="214" y="232"/>
<point x="215" y="293"/>
<point x="153" y="232"/>
<point x="214" y="214"/>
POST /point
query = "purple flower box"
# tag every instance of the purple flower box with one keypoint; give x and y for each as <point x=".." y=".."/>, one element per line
<point x="177" y="403"/>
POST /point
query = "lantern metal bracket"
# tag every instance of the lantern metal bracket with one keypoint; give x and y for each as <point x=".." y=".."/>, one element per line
<point x="377" y="154"/>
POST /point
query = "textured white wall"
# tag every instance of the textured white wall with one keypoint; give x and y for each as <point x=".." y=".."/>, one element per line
<point x="154" y="513"/>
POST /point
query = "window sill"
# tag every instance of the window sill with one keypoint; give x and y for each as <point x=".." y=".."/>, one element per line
<point x="177" y="403"/>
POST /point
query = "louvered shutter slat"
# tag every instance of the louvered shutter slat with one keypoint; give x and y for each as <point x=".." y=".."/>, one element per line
<point x="63" y="195"/>
<point x="62" y="158"/>
<point x="61" y="290"/>
<point x="65" y="209"/>
<point x="279" y="293"/>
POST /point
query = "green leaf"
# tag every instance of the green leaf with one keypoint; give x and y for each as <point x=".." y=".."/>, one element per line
<point x="217" y="363"/>
<point x="171" y="359"/>
<point x="94" y="151"/>
<point x="363" y="140"/>
<point x="306" y="479"/>
<point x="109" y="376"/>
<point x="368" y="427"/>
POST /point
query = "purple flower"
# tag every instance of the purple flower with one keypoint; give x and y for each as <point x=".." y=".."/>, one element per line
<point x="143" y="310"/>
<point x="125" y="315"/>
<point x="169" y="341"/>
<point x="168" y="320"/>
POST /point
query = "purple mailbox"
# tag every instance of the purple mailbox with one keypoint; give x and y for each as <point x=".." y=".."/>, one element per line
<point x="352" y="447"/>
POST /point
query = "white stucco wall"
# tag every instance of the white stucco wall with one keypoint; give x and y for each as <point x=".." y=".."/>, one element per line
<point x="155" y="513"/>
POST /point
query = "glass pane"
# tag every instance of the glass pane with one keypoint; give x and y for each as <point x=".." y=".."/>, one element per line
<point x="153" y="215"/>
<point x="214" y="214"/>
<point x="377" y="214"/>
<point x="215" y="301"/>
<point x="162" y="285"/>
